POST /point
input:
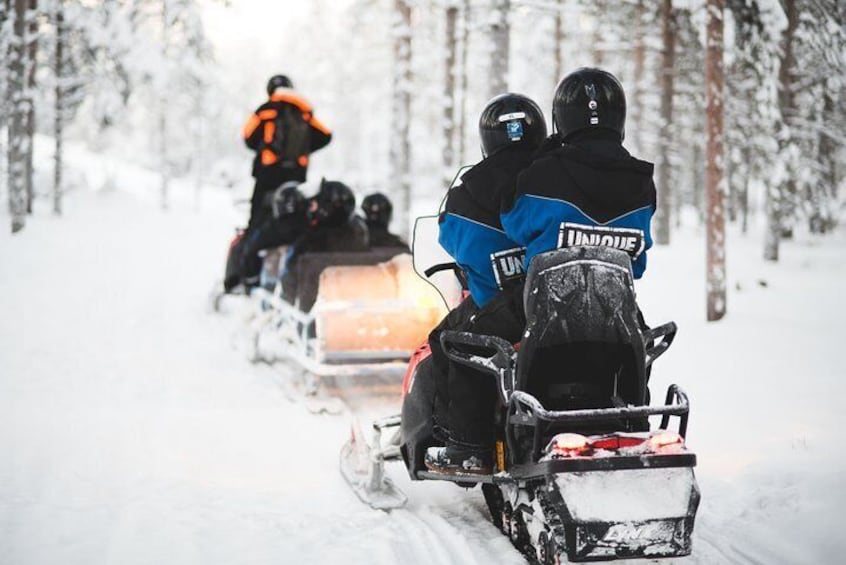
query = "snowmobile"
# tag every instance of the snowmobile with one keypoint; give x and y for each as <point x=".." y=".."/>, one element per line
<point x="578" y="473"/>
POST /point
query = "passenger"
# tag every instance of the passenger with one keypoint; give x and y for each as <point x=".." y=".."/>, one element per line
<point x="512" y="128"/>
<point x="378" y="210"/>
<point x="582" y="184"/>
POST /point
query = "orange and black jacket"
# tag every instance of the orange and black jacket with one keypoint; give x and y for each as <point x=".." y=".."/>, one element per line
<point x="283" y="132"/>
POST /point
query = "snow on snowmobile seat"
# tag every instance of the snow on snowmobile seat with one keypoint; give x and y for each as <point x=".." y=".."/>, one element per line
<point x="583" y="346"/>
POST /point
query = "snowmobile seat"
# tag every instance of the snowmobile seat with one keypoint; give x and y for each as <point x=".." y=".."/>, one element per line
<point x="583" y="346"/>
<point x="300" y="287"/>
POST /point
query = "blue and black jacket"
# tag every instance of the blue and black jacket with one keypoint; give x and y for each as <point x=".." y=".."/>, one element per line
<point x="470" y="227"/>
<point x="588" y="191"/>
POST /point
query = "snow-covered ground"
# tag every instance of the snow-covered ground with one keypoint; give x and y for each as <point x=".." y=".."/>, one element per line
<point x="133" y="431"/>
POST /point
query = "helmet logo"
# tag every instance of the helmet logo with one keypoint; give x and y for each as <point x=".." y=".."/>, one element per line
<point x="590" y="90"/>
<point x="514" y="130"/>
<point x="513" y="125"/>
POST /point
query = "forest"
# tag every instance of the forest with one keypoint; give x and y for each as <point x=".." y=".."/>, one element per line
<point x="402" y="82"/>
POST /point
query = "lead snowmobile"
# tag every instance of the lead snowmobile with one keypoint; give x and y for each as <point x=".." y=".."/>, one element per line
<point x="579" y="475"/>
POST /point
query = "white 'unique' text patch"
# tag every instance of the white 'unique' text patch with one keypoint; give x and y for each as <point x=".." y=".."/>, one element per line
<point x="632" y="241"/>
<point x="508" y="265"/>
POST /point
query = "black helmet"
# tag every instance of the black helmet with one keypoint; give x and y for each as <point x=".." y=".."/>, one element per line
<point x="589" y="98"/>
<point x="333" y="204"/>
<point x="278" y="81"/>
<point x="510" y="118"/>
<point x="288" y="200"/>
<point x="377" y="209"/>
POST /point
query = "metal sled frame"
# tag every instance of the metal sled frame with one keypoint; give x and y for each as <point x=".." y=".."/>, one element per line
<point x="300" y="344"/>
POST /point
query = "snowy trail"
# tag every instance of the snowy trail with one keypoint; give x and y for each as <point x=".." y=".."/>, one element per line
<point x="132" y="431"/>
<point x="135" y="433"/>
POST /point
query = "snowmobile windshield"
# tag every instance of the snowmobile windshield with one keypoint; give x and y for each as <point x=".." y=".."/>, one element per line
<point x="431" y="258"/>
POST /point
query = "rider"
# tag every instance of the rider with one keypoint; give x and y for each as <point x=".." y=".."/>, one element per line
<point x="511" y="128"/>
<point x="331" y="226"/>
<point x="283" y="132"/>
<point x="283" y="228"/>
<point x="378" y="210"/>
<point x="585" y="184"/>
<point x="582" y="184"/>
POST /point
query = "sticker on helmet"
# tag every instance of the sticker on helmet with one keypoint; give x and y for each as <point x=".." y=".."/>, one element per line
<point x="514" y="130"/>
<point x="508" y="265"/>
<point x="511" y="116"/>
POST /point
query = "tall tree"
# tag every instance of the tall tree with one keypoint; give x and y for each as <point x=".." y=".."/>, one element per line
<point x="714" y="86"/>
<point x="164" y="161"/>
<point x="401" y="111"/>
<point x="665" y="183"/>
<point x="783" y="188"/>
<point x="558" y="40"/>
<point x="31" y="35"/>
<point x="59" y="109"/>
<point x="462" y="106"/>
<point x="450" y="72"/>
<point x="5" y="37"/>
<point x="500" y="33"/>
<point x="17" y="125"/>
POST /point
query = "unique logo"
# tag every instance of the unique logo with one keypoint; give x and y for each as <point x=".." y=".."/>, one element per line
<point x="514" y="130"/>
<point x="632" y="241"/>
<point x="508" y="265"/>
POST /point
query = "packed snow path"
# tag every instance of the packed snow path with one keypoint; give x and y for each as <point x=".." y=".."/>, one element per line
<point x="131" y="431"/>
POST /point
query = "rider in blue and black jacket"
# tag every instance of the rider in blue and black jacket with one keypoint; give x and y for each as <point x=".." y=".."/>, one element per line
<point x="511" y="128"/>
<point x="583" y="188"/>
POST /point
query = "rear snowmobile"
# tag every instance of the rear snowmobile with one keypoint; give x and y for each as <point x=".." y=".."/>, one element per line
<point x="579" y="475"/>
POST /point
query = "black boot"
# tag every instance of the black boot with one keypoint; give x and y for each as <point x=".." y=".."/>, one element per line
<point x="454" y="459"/>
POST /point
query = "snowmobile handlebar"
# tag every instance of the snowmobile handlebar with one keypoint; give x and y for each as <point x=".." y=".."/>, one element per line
<point x="454" y="267"/>
<point x="665" y="331"/>
<point x="498" y="364"/>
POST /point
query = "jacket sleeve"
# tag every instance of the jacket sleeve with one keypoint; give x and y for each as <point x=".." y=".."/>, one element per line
<point x="320" y="134"/>
<point x="251" y="132"/>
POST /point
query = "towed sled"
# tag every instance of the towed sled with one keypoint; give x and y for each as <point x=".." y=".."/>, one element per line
<point x="579" y="475"/>
<point x="351" y="314"/>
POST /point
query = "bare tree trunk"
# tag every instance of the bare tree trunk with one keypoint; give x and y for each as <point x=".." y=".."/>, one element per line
<point x="743" y="196"/>
<point x="59" y="107"/>
<point x="777" y="194"/>
<point x="17" y="125"/>
<point x="462" y="107"/>
<point x="597" y="44"/>
<point x="31" y="35"/>
<point x="559" y="40"/>
<point x="163" y="102"/>
<point x="5" y="55"/>
<point x="500" y="32"/>
<point x="665" y="183"/>
<point x="639" y="53"/>
<point x="449" y="93"/>
<point x="715" y="159"/>
<point x="401" y="110"/>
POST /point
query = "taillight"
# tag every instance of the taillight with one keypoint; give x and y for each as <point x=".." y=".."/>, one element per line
<point x="568" y="445"/>
<point x="665" y="439"/>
